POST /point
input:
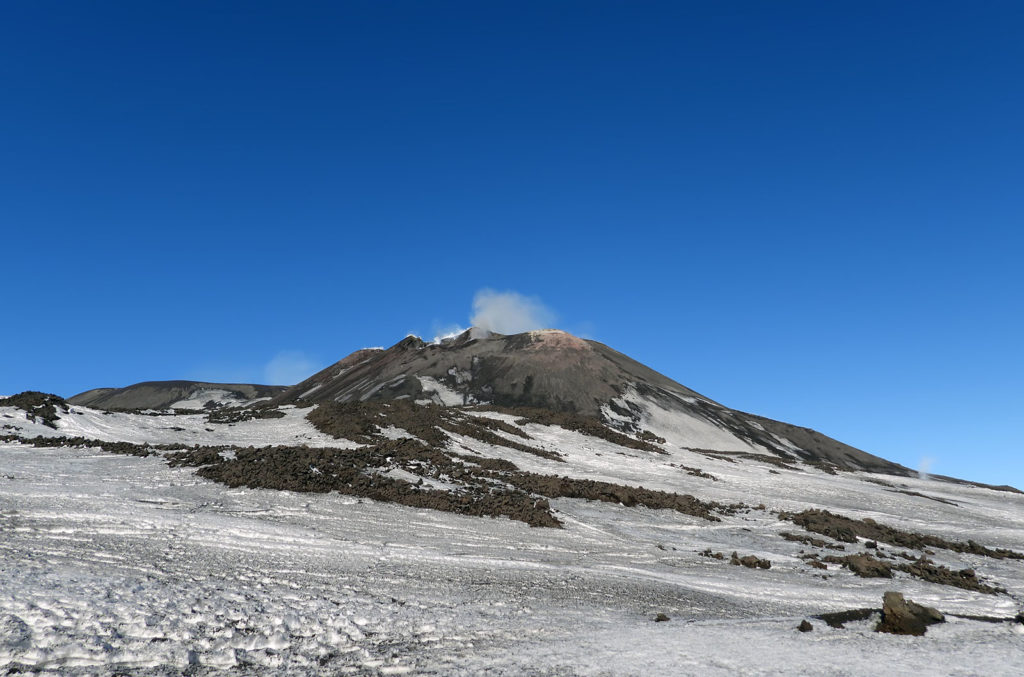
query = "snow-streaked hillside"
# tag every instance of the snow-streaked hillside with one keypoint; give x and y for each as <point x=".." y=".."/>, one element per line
<point x="114" y="564"/>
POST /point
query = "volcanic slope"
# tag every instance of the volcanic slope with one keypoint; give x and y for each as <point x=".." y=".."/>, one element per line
<point x="175" y="395"/>
<point x="555" y="371"/>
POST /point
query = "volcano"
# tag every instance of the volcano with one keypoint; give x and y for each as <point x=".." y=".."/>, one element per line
<point x="555" y="371"/>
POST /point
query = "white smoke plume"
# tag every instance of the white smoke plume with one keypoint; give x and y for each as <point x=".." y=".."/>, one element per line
<point x="924" y="467"/>
<point x="509" y="312"/>
<point x="447" y="331"/>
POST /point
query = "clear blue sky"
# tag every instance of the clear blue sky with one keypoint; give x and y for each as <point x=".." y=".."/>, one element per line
<point x="807" y="210"/>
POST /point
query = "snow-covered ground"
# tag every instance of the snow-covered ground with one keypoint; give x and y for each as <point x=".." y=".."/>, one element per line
<point x="117" y="564"/>
<point x="184" y="429"/>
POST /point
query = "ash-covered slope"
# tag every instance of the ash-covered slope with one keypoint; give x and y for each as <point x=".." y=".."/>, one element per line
<point x="559" y="372"/>
<point x="547" y="369"/>
<point x="175" y="394"/>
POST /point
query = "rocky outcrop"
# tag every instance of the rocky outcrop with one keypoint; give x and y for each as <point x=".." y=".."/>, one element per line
<point x="42" y="407"/>
<point x="867" y="566"/>
<point x="848" y="529"/>
<point x="903" y="617"/>
<point x="750" y="561"/>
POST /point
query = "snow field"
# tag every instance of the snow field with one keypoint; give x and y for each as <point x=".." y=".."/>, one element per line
<point x="114" y="564"/>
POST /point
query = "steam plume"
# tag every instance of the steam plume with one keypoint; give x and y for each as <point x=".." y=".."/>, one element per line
<point x="509" y="312"/>
<point x="924" y="467"/>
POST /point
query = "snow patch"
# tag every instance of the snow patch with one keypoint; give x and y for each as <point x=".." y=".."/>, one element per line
<point x="439" y="393"/>
<point x="220" y="398"/>
<point x="676" y="426"/>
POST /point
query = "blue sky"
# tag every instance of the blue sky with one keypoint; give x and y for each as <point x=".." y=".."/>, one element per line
<point x="810" y="211"/>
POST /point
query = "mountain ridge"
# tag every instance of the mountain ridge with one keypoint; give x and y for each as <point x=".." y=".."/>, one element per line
<point x="174" y="394"/>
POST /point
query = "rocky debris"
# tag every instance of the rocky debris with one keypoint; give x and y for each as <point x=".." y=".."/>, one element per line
<point x="486" y="462"/>
<point x="42" y="407"/>
<point x="966" y="579"/>
<point x="713" y="555"/>
<point x="750" y="561"/>
<point x="839" y="619"/>
<point x="126" y="448"/>
<point x="472" y="485"/>
<point x="826" y="467"/>
<point x="903" y="617"/>
<point x="810" y="540"/>
<point x="648" y="436"/>
<point x="694" y="472"/>
<point x="585" y="425"/>
<point x="362" y="422"/>
<point x="847" y="529"/>
<point x="661" y="618"/>
<point x="566" y="487"/>
<point x="823" y="522"/>
<point x="363" y="472"/>
<point x="805" y="626"/>
<point x="867" y="566"/>
<point x="239" y="414"/>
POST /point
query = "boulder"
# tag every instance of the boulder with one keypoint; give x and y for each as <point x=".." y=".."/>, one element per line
<point x="750" y="561"/>
<point x="903" y="617"/>
<point x="867" y="566"/>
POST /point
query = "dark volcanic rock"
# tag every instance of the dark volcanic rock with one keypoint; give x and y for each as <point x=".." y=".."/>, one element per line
<point x="42" y="407"/>
<point x="867" y="566"/>
<point x="363" y="472"/>
<point x="362" y="422"/>
<point x="847" y="529"/>
<point x="475" y="485"/>
<point x="585" y="425"/>
<point x="839" y="619"/>
<point x="964" y="578"/>
<point x="805" y="626"/>
<point x="810" y="540"/>
<point x="750" y="561"/>
<point x="709" y="553"/>
<point x="239" y="414"/>
<point x="904" y="617"/>
<point x="566" y="487"/>
<point x="126" y="448"/>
